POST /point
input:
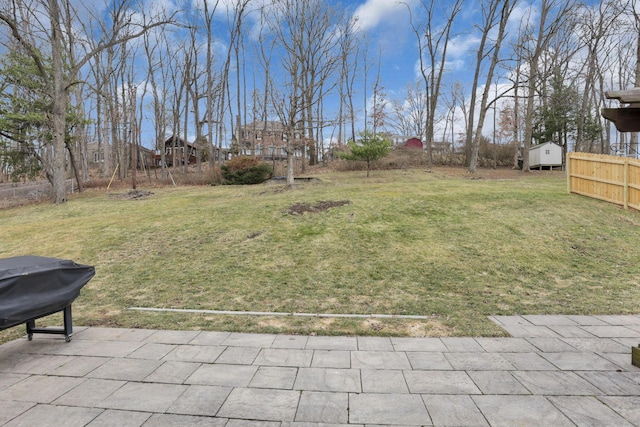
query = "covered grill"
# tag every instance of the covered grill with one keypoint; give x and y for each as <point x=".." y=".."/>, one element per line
<point x="32" y="287"/>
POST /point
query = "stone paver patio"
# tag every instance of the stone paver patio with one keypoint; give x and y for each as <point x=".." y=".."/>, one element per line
<point x="554" y="371"/>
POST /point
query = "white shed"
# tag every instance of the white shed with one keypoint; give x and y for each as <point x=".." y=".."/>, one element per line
<point x="548" y="154"/>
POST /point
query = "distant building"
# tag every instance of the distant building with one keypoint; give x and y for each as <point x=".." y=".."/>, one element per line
<point x="413" y="144"/>
<point x="398" y="140"/>
<point x="95" y="155"/>
<point x="403" y="141"/>
<point x="268" y="140"/>
<point x="547" y="155"/>
<point x="180" y="146"/>
<point x="178" y="149"/>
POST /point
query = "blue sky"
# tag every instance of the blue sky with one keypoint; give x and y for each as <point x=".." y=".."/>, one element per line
<point x="392" y="45"/>
<point x="386" y="24"/>
<point x="391" y="40"/>
<point x="388" y="37"/>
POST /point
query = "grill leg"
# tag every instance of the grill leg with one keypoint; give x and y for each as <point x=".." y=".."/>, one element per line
<point x="31" y="324"/>
<point x="68" y="324"/>
<point x="67" y="331"/>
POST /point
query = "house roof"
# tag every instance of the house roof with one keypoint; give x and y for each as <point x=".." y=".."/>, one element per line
<point x="413" y="143"/>
<point x="260" y="125"/>
<point x="180" y="142"/>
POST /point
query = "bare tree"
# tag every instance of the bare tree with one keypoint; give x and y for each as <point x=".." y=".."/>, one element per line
<point x="433" y="40"/>
<point x="497" y="13"/>
<point x="235" y="16"/>
<point x="348" y="51"/>
<point x="631" y="8"/>
<point x="156" y="57"/>
<point x="409" y="115"/>
<point x="209" y="11"/>
<point x="62" y="77"/>
<point x="552" y="16"/>
<point x="595" y="26"/>
<point x="308" y="57"/>
<point x="99" y="87"/>
<point x="378" y="115"/>
<point x="459" y="98"/>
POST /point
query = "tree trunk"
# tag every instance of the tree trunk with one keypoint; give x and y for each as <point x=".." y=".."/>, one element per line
<point x="59" y="151"/>
<point x="60" y="101"/>
<point x="505" y="13"/>
<point x="74" y="167"/>
<point x="290" y="166"/>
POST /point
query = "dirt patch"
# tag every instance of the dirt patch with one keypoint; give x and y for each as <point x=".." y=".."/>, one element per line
<point x="322" y="205"/>
<point x="254" y="235"/>
<point x="132" y="195"/>
<point x="428" y="328"/>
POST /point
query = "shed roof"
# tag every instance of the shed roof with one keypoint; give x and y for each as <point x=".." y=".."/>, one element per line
<point x="536" y="147"/>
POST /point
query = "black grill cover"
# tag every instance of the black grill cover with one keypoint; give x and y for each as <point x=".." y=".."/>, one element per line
<point x="33" y="286"/>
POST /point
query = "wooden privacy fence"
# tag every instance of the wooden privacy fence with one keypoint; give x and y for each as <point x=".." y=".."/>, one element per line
<point x="610" y="178"/>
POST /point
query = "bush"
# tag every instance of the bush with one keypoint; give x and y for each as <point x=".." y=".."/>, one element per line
<point x="369" y="149"/>
<point x="245" y="170"/>
<point x="502" y="153"/>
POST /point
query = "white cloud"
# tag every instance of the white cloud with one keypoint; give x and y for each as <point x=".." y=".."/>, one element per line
<point x="524" y="16"/>
<point x="374" y="12"/>
<point x="460" y="46"/>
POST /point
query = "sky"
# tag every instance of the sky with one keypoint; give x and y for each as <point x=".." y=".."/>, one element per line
<point x="392" y="47"/>
<point x="387" y="24"/>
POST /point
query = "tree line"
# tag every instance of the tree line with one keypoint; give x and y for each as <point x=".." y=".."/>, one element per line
<point x="88" y="73"/>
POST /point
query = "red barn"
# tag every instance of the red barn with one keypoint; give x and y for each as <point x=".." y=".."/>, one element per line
<point x="413" y="144"/>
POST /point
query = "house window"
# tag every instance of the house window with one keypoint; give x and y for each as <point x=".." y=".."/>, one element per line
<point x="258" y="149"/>
<point x="272" y="150"/>
<point x="547" y="152"/>
<point x="259" y="134"/>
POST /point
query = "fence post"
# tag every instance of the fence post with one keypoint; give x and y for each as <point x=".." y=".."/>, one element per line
<point x="626" y="184"/>
<point x="569" y="173"/>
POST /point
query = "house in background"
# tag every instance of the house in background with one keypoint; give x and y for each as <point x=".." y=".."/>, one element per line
<point x="95" y="155"/>
<point x="413" y="144"/>
<point x="178" y="148"/>
<point x="547" y="155"/>
<point x="268" y="140"/>
<point x="398" y="141"/>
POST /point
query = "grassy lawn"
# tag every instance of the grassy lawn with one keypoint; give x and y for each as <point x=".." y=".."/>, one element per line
<point x="408" y="242"/>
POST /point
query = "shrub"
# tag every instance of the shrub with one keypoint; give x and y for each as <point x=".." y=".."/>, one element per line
<point x="245" y="170"/>
<point x="369" y="148"/>
<point x="502" y="153"/>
